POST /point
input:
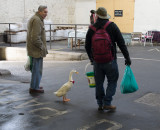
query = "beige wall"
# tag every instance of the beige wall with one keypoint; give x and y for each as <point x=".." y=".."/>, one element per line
<point x="126" y="22"/>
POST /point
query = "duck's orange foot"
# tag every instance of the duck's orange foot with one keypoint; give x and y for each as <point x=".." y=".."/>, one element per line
<point x="66" y="100"/>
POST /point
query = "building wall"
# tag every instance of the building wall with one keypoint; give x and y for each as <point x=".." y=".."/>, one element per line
<point x="138" y="15"/>
<point x="82" y="10"/>
<point x="60" y="11"/>
<point x="125" y="23"/>
<point x="146" y="15"/>
<point x="11" y="10"/>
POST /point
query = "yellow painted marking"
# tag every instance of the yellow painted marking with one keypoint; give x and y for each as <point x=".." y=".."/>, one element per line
<point x="4" y="93"/>
<point x="13" y="100"/>
<point x="55" y="112"/>
<point x="26" y="104"/>
<point x="115" y="126"/>
<point x="151" y="99"/>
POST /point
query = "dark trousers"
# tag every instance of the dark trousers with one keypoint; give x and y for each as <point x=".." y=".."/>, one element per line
<point x="110" y="71"/>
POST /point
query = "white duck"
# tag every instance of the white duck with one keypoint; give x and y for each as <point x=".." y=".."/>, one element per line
<point x="66" y="87"/>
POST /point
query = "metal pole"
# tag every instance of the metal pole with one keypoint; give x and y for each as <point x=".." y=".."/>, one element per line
<point x="75" y="35"/>
<point x="50" y="36"/>
<point x="9" y="35"/>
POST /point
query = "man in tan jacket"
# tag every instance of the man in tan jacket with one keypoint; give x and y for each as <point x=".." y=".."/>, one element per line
<point x="36" y="47"/>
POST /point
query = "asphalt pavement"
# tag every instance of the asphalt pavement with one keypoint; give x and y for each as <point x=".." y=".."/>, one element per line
<point x="136" y="111"/>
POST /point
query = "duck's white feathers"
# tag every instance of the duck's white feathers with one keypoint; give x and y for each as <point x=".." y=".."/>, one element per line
<point x="67" y="86"/>
<point x="64" y="89"/>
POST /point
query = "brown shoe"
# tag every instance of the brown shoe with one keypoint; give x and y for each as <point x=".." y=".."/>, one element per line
<point x="111" y="108"/>
<point x="40" y="87"/>
<point x="36" y="90"/>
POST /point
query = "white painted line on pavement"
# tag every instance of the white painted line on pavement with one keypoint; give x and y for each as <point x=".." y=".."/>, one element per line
<point x="156" y="49"/>
<point x="151" y="49"/>
<point x="140" y="59"/>
<point x="57" y="49"/>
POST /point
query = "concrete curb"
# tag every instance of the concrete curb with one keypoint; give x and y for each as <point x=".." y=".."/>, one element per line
<point x="5" y="81"/>
<point x="65" y="56"/>
<point x="20" y="54"/>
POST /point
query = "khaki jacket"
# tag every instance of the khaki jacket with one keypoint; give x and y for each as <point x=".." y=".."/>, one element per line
<point x="36" y="38"/>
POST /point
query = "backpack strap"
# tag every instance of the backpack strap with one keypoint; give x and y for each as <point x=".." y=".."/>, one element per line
<point x="106" y="25"/>
<point x="94" y="18"/>
<point x="93" y="28"/>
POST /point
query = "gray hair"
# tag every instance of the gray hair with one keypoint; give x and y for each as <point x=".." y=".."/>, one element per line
<point x="41" y="8"/>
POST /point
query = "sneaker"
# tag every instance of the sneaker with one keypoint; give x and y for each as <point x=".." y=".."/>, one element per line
<point x="100" y="108"/>
<point x="111" y="108"/>
<point x="31" y="91"/>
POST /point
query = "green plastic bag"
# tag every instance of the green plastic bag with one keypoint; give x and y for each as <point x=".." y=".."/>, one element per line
<point x="128" y="83"/>
<point x="29" y="64"/>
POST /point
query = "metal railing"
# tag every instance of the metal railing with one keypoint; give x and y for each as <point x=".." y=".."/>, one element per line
<point x="9" y="29"/>
<point x="75" y="27"/>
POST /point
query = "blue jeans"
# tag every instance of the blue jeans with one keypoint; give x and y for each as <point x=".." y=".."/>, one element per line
<point x="37" y="67"/>
<point x="110" y="70"/>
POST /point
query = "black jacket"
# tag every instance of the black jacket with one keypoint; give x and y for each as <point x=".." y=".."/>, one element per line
<point x="115" y="35"/>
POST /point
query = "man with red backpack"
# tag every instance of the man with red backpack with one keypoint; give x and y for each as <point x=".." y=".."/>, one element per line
<point x="100" y="45"/>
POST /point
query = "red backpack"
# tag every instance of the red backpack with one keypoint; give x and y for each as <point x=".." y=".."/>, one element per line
<point x="101" y="45"/>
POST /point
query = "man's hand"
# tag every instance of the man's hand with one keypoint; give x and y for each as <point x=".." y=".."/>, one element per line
<point x="91" y="62"/>
<point x="128" y="61"/>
